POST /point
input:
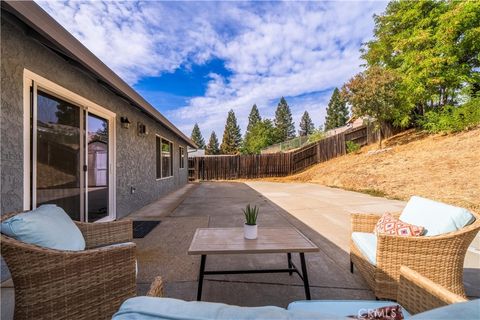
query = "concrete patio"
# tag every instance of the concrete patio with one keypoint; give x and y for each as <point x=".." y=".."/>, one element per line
<point x="321" y="213"/>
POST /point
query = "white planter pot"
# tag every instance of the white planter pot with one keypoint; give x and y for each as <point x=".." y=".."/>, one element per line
<point x="250" y="231"/>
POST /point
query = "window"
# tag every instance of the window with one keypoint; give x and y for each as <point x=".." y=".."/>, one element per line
<point x="181" y="152"/>
<point x="159" y="164"/>
<point x="164" y="153"/>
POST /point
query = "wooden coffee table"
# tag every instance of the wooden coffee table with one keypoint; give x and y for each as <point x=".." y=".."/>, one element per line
<point x="270" y="240"/>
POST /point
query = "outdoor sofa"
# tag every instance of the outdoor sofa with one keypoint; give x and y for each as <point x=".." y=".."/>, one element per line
<point x="65" y="269"/>
<point x="416" y="295"/>
<point x="438" y="255"/>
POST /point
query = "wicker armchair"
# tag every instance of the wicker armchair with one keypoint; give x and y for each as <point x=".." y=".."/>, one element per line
<point x="417" y="293"/>
<point x="89" y="284"/>
<point x="439" y="258"/>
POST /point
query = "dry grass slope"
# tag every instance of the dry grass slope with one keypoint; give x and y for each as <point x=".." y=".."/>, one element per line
<point x="441" y="167"/>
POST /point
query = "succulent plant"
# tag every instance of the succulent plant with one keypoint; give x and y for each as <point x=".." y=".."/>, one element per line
<point x="251" y="214"/>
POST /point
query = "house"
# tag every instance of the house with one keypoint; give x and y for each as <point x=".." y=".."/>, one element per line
<point x="352" y="123"/>
<point x="73" y="133"/>
<point x="192" y="153"/>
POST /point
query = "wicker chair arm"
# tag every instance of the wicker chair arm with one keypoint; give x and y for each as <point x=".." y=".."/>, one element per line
<point x="395" y="251"/>
<point x="105" y="233"/>
<point x="51" y="284"/>
<point x="408" y="249"/>
<point x="156" y="288"/>
<point x="426" y="255"/>
<point x="417" y="293"/>
<point x="364" y="222"/>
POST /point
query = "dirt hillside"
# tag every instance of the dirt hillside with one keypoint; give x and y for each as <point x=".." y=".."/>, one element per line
<point x="440" y="167"/>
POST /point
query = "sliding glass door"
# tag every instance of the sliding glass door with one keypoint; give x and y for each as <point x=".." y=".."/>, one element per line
<point x="70" y="157"/>
<point x="58" y="154"/>
<point x="97" y="168"/>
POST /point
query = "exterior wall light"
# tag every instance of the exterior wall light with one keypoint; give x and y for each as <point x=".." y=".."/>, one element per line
<point x="141" y="129"/>
<point x="125" y="122"/>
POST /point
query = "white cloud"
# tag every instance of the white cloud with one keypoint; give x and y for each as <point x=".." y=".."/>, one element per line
<point x="136" y="39"/>
<point x="291" y="49"/>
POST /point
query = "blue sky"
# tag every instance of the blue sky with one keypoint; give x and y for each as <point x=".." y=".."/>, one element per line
<point x="195" y="60"/>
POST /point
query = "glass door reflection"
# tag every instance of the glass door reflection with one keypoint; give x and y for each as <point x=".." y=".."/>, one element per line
<point x="58" y="154"/>
<point x="97" y="168"/>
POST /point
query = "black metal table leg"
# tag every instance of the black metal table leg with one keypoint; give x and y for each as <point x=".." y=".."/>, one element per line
<point x="200" y="276"/>
<point x="289" y="257"/>
<point x="305" y="276"/>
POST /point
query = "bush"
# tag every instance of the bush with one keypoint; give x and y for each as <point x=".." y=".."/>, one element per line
<point x="452" y="119"/>
<point x="316" y="136"/>
<point x="352" y="146"/>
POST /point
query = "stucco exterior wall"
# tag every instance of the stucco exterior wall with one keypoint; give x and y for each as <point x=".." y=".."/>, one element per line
<point x="135" y="155"/>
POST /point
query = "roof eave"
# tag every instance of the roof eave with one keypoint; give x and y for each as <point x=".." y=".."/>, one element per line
<point x="39" y="20"/>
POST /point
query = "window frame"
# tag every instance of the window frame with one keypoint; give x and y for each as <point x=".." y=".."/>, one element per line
<point x="181" y="151"/>
<point x="159" y="158"/>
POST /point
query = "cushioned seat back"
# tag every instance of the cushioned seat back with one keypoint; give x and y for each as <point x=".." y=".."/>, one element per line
<point x="150" y="308"/>
<point x="436" y="217"/>
<point x="343" y="308"/>
<point x="47" y="226"/>
<point x="464" y="310"/>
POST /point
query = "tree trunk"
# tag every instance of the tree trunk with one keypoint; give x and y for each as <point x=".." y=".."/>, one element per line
<point x="380" y="137"/>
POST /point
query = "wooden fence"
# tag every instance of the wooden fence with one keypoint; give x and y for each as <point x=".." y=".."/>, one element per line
<point x="226" y="167"/>
<point x="240" y="166"/>
<point x="358" y="135"/>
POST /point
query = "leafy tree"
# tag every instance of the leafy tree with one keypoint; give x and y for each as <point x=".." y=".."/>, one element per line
<point x="376" y="93"/>
<point x="253" y="118"/>
<point x="337" y="111"/>
<point x="212" y="146"/>
<point x="197" y="137"/>
<point x="306" y="125"/>
<point x="316" y="135"/>
<point x="261" y="135"/>
<point x="284" y="124"/>
<point x="452" y="118"/>
<point x="101" y="134"/>
<point x="433" y="45"/>
<point x="232" y="137"/>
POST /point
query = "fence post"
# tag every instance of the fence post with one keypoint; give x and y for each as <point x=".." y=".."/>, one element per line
<point x="238" y="166"/>
<point x="290" y="160"/>
<point x="196" y="166"/>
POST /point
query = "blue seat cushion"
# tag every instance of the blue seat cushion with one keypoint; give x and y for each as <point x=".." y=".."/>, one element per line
<point x="436" y="217"/>
<point x="47" y="226"/>
<point x="464" y="310"/>
<point x="150" y="308"/>
<point x="342" y="308"/>
<point x="367" y="244"/>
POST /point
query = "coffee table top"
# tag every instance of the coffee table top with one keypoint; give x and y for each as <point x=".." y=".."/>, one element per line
<point x="231" y="240"/>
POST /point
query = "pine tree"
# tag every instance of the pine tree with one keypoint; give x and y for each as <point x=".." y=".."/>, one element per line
<point x="337" y="111"/>
<point x="212" y="147"/>
<point x="253" y="118"/>
<point x="306" y="125"/>
<point x="232" y="137"/>
<point x="283" y="121"/>
<point x="197" y="137"/>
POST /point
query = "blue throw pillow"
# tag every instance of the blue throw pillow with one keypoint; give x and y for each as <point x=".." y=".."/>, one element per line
<point x="47" y="226"/>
